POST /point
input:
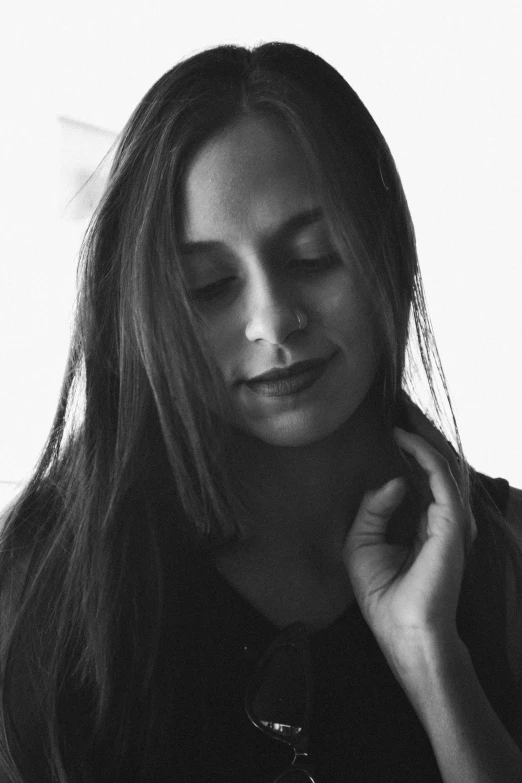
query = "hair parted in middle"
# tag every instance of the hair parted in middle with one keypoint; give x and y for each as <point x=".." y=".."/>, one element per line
<point x="143" y="323"/>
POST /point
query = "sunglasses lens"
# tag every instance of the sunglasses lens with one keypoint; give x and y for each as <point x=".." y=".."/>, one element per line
<point x="279" y="697"/>
<point x="294" y="775"/>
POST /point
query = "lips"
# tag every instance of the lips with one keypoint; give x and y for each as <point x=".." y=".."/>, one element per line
<point x="287" y="372"/>
<point x="288" y="380"/>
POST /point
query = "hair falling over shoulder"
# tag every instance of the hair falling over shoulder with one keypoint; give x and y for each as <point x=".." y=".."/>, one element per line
<point x="135" y="463"/>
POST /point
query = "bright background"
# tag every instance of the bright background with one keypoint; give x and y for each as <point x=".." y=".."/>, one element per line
<point x="441" y="79"/>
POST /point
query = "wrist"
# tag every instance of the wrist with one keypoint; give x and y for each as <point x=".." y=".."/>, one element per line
<point x="424" y="661"/>
<point x="469" y="741"/>
<point x="434" y="677"/>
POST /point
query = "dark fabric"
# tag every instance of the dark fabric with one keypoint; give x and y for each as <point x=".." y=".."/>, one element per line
<point x="363" y="727"/>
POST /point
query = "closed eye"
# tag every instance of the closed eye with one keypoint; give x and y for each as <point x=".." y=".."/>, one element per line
<point x="213" y="290"/>
<point x="313" y="265"/>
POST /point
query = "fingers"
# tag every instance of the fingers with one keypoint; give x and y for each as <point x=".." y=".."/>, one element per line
<point x="442" y="482"/>
<point x="422" y="425"/>
<point x="375" y="510"/>
<point x="366" y="540"/>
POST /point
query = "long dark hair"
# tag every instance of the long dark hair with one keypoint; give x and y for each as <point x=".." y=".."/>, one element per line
<point x="138" y="444"/>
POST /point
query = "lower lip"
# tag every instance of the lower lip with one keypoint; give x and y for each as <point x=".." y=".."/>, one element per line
<point x="285" y="387"/>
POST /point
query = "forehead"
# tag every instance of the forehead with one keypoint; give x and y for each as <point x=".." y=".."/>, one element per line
<point x="246" y="181"/>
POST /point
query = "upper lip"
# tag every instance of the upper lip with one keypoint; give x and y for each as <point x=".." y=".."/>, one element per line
<point x="285" y="372"/>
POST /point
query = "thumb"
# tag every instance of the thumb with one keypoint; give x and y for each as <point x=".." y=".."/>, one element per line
<point x="371" y="520"/>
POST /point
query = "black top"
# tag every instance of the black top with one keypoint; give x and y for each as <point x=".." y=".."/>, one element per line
<point x="363" y="727"/>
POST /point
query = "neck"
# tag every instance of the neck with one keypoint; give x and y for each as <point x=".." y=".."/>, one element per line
<point x="305" y="497"/>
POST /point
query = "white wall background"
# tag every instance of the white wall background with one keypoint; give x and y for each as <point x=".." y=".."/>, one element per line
<point x="443" y="81"/>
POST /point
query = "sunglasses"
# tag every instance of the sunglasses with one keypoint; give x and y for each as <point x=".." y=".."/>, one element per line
<point x="278" y="699"/>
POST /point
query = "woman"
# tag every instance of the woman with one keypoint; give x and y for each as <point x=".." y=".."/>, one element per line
<point x="242" y="529"/>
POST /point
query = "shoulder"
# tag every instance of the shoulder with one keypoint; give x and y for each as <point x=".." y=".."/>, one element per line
<point x="514" y="512"/>
<point x="513" y="517"/>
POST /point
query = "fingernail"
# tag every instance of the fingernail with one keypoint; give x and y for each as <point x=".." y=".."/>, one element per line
<point x="401" y="436"/>
<point x="398" y="480"/>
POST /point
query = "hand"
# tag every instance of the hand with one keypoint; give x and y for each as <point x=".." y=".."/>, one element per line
<point x="409" y="593"/>
<point x="420" y="424"/>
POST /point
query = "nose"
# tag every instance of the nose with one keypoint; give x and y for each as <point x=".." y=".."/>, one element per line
<point x="271" y="311"/>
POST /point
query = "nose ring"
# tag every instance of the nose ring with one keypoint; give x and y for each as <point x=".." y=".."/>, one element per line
<point x="301" y="322"/>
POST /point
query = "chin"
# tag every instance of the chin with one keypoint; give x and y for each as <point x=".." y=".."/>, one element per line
<point x="293" y="432"/>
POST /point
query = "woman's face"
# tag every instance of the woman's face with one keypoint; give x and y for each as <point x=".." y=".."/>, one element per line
<point x="260" y="262"/>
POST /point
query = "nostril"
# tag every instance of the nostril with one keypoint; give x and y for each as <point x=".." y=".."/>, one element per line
<point x="274" y="324"/>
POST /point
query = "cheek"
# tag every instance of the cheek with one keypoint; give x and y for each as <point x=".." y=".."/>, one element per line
<point x="223" y="337"/>
<point x="349" y="319"/>
<point x="341" y="307"/>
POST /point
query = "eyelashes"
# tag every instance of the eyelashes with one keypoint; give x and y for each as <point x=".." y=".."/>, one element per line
<point x="212" y="291"/>
<point x="311" y="265"/>
<point x="300" y="268"/>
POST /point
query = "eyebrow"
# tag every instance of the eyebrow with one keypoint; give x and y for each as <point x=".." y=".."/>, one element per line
<point x="287" y="229"/>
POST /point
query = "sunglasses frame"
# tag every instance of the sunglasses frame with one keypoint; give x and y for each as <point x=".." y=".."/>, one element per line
<point x="296" y="636"/>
